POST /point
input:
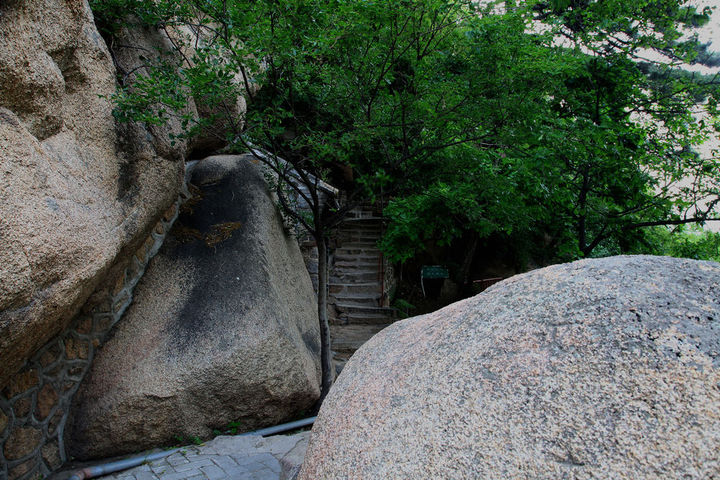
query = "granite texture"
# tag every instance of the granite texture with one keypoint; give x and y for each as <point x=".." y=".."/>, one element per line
<point x="78" y="192"/>
<point x="605" y="368"/>
<point x="223" y="326"/>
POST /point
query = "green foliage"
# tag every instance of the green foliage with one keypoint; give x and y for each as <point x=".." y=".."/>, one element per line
<point x="230" y="429"/>
<point x="181" y="440"/>
<point x="466" y="119"/>
<point x="403" y="307"/>
<point x="686" y="243"/>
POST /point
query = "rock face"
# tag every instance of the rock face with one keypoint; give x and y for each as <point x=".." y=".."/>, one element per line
<point x="77" y="191"/>
<point x="223" y="328"/>
<point x="596" y="369"/>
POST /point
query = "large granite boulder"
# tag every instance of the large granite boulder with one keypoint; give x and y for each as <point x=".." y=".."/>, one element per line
<point x="77" y="191"/>
<point x="596" y="369"/>
<point x="223" y="327"/>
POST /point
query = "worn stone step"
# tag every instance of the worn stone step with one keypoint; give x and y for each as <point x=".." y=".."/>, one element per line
<point x="359" y="302"/>
<point x="358" y="244"/>
<point x="345" y="298"/>
<point x="357" y="271"/>
<point x="354" y="260"/>
<point x="355" y="308"/>
<point x="360" y="319"/>
<point x="357" y="265"/>
<point x="361" y="289"/>
<point x="371" y="218"/>
<point x="356" y="229"/>
<point x="355" y="257"/>
<point x="362" y="230"/>
<point x="357" y="251"/>
<point x="346" y="319"/>
<point x="352" y="337"/>
<point x="349" y="267"/>
<point x="346" y="240"/>
<point x="369" y="265"/>
<point x="355" y="276"/>
<point x="357" y="214"/>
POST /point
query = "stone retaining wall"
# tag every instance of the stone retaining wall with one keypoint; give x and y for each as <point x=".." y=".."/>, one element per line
<point x="389" y="283"/>
<point x="35" y="404"/>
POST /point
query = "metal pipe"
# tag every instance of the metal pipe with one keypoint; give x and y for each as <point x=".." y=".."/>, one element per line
<point x="264" y="432"/>
<point x="119" y="465"/>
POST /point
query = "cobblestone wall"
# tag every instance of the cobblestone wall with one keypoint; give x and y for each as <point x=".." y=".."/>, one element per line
<point x="34" y="406"/>
<point x="389" y="283"/>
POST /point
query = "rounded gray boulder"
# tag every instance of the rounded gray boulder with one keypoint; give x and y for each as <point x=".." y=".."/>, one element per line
<point x="604" y="368"/>
<point x="223" y="327"/>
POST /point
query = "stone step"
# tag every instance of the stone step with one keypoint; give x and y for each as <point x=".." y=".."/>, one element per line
<point x="344" y="276"/>
<point x="355" y="276"/>
<point x="349" y="278"/>
<point x="368" y="263"/>
<point x="353" y="308"/>
<point x="364" y="230"/>
<point x="363" y="319"/>
<point x="354" y="257"/>
<point x="370" y="299"/>
<point x="355" y="288"/>
<point x="345" y="318"/>
<point x="351" y="271"/>
<point x="360" y="242"/>
<point x="376" y="230"/>
<point x="357" y="301"/>
<point x="346" y="338"/>
<point x="346" y="240"/>
<point x="357" y="251"/>
<point x="361" y="229"/>
<point x="366" y="217"/>
<point x="359" y="214"/>
<point x="356" y="264"/>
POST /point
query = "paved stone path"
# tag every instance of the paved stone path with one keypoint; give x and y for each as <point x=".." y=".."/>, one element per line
<point x="227" y="457"/>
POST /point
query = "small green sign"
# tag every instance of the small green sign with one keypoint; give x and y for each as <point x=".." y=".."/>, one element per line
<point x="434" y="271"/>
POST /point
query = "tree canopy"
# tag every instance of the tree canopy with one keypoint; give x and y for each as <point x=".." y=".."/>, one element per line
<point x="573" y="120"/>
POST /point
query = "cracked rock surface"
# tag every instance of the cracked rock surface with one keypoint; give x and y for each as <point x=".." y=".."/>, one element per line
<point x="78" y="192"/>
<point x="605" y="368"/>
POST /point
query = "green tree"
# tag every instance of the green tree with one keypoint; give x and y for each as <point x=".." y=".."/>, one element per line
<point x="593" y="141"/>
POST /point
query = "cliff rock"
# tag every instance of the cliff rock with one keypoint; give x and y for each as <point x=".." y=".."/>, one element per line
<point x="605" y="368"/>
<point x="77" y="191"/>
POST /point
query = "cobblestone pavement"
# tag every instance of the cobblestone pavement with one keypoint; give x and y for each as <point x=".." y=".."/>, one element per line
<point x="227" y="457"/>
<point x="238" y="457"/>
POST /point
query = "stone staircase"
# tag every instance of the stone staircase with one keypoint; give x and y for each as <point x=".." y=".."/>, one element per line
<point x="358" y="284"/>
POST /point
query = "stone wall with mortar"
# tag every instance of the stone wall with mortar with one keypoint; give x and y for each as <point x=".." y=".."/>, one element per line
<point x="35" y="404"/>
<point x="389" y="283"/>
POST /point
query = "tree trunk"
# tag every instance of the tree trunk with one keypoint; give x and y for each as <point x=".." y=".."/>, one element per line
<point x="467" y="261"/>
<point x="582" y="208"/>
<point x="325" y="352"/>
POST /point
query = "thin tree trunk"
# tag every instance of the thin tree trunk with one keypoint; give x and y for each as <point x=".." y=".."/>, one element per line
<point x="582" y="207"/>
<point x="325" y="352"/>
<point x="467" y="261"/>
